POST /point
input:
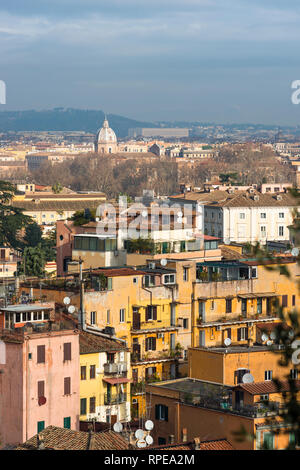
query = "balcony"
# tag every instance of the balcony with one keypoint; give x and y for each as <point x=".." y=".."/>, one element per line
<point x="115" y="368"/>
<point x="225" y="405"/>
<point x="114" y="399"/>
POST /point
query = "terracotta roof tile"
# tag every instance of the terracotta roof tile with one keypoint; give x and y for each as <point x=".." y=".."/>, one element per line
<point x="262" y="388"/>
<point x="65" y="439"/>
<point x="92" y="343"/>
<point x="218" y="444"/>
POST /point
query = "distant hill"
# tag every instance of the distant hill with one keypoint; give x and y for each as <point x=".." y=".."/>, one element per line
<point x="65" y="119"/>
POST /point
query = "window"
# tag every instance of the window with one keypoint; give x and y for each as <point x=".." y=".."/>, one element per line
<point x="263" y="215"/>
<point x="29" y="355"/>
<point x="161" y="441"/>
<point x="67" y="351"/>
<point x="185" y="323"/>
<point x="150" y="343"/>
<point x="92" y="372"/>
<point x="41" y="388"/>
<point x="281" y="231"/>
<point x="212" y="305"/>
<point x="284" y="301"/>
<point x="263" y="230"/>
<point x="151" y="312"/>
<point x="242" y="334"/>
<point x="228" y="332"/>
<point x="268" y="440"/>
<point x="122" y="315"/>
<point x="93" y="318"/>
<point x="228" y="305"/>
<point x="83" y="406"/>
<point x="169" y="279"/>
<point x="67" y="422"/>
<point x="268" y="374"/>
<point x="149" y="281"/>
<point x="293" y="300"/>
<point x="294" y="374"/>
<point x="83" y="373"/>
<point x="259" y="305"/>
<point x="41" y="354"/>
<point x="107" y="316"/>
<point x="161" y="412"/>
<point x="92" y="404"/>
<point x="40" y="426"/>
<point x="264" y="397"/>
<point x="110" y="358"/>
<point x="254" y="272"/>
<point x="242" y="215"/>
<point x="109" y="283"/>
<point x="281" y="215"/>
<point x="185" y="274"/>
<point x="67" y="386"/>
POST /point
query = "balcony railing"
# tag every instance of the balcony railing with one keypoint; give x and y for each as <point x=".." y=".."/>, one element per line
<point x="114" y="399"/>
<point x="115" y="368"/>
<point x="225" y="405"/>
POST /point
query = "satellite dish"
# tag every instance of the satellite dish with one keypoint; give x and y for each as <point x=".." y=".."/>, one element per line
<point x="139" y="434"/>
<point x="248" y="379"/>
<point x="141" y="443"/>
<point x="118" y="427"/>
<point x="144" y="214"/>
<point x="295" y="251"/>
<point x="163" y="262"/>
<point x="149" y="440"/>
<point x="149" y="425"/>
<point x="269" y="343"/>
<point x="265" y="337"/>
<point x="227" y="342"/>
<point x="71" y="309"/>
<point x="227" y="241"/>
<point x="273" y="335"/>
<point x="179" y="214"/>
<point x="67" y="300"/>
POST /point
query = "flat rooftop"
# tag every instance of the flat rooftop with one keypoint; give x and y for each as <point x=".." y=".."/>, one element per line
<point x="25" y="308"/>
<point x="194" y="386"/>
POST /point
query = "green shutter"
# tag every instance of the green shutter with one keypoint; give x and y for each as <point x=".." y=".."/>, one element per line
<point x="40" y="426"/>
<point x="67" y="422"/>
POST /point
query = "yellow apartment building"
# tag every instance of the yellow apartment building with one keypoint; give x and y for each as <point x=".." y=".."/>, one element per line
<point x="105" y="377"/>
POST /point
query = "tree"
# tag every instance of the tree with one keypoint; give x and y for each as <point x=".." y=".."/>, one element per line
<point x="33" y="262"/>
<point x="57" y="188"/>
<point x="12" y="219"/>
<point x="33" y="235"/>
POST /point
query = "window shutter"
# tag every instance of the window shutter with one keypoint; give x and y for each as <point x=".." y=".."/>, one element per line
<point x="67" y="386"/>
<point x="156" y="411"/>
<point x="154" y="344"/>
<point x="147" y="344"/>
<point x="147" y="312"/>
<point x="41" y="389"/>
<point x="154" y="312"/>
<point x="246" y="333"/>
<point x="67" y="351"/>
<point x="239" y="334"/>
<point x="166" y="413"/>
<point x="41" y="354"/>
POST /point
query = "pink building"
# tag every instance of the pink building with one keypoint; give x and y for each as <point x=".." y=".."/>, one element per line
<point x="39" y="381"/>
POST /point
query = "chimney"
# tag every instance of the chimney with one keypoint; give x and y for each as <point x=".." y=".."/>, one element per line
<point x="40" y="442"/>
<point x="197" y="443"/>
<point x="184" y="434"/>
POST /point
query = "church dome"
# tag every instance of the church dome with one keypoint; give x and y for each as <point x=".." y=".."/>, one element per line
<point x="106" y="135"/>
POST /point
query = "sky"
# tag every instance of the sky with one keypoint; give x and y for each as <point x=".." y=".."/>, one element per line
<point x="218" y="61"/>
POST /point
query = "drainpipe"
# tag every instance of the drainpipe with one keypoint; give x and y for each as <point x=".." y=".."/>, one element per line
<point x="82" y="321"/>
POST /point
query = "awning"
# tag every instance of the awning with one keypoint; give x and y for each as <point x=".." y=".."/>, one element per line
<point x="255" y="296"/>
<point x="116" y="380"/>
